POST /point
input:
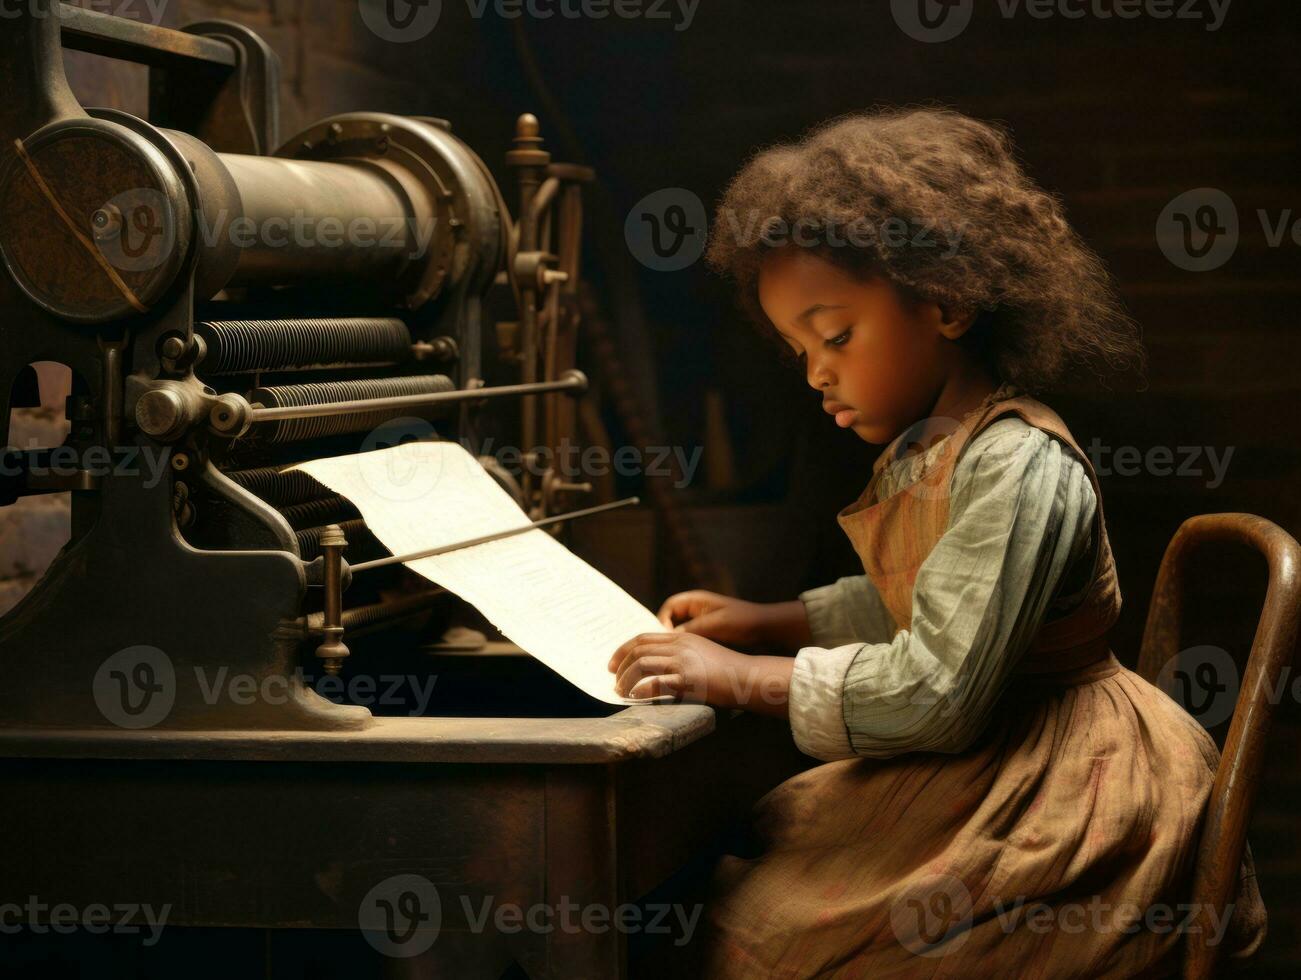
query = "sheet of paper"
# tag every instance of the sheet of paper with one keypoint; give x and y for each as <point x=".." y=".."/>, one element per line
<point x="543" y="597"/>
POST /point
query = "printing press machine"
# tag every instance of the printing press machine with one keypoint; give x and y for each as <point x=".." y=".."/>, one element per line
<point x="132" y="771"/>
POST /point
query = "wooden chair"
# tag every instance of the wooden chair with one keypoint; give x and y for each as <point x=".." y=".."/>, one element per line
<point x="1224" y="834"/>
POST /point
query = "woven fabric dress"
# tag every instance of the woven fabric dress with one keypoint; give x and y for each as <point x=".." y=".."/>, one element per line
<point x="1059" y="844"/>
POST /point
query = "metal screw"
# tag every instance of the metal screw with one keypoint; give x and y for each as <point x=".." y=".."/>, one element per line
<point x="106" y="222"/>
<point x="173" y="347"/>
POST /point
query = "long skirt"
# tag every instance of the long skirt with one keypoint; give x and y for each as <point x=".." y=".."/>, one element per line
<point x="1060" y="845"/>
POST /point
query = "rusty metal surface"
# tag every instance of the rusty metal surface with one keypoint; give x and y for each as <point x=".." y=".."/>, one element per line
<point x="68" y="196"/>
<point x="130" y="40"/>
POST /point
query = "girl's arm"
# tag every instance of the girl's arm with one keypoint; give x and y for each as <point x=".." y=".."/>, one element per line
<point x="849" y="610"/>
<point x="736" y="622"/>
<point x="1021" y="515"/>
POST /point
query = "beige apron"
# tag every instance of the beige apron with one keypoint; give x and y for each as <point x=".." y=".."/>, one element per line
<point x="1059" y="845"/>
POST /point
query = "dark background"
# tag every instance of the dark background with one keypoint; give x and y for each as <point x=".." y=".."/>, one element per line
<point x="1118" y="116"/>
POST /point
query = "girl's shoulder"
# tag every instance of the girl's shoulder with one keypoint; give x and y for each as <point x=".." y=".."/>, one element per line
<point x="1010" y="456"/>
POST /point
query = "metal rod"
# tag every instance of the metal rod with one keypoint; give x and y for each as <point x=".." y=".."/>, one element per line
<point x="496" y="536"/>
<point x="570" y="381"/>
<point x="130" y="40"/>
<point x="333" y="650"/>
<point x="359" y="619"/>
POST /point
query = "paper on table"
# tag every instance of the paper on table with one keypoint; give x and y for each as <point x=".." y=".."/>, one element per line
<point x="543" y="597"/>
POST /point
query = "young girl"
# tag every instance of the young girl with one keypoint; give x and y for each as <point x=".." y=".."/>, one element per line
<point x="1000" y="797"/>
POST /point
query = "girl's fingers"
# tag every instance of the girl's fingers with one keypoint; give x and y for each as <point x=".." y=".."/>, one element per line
<point x="686" y="605"/>
<point x="637" y="668"/>
<point x="704" y="625"/>
<point x="657" y="685"/>
<point x="631" y="647"/>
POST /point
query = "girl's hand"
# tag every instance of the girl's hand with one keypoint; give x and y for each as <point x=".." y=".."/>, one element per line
<point x="691" y="668"/>
<point x="735" y="621"/>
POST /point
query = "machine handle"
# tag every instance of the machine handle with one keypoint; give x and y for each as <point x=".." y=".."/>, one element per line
<point x="129" y="40"/>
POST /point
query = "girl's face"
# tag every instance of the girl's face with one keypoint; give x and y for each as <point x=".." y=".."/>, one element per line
<point x="879" y="361"/>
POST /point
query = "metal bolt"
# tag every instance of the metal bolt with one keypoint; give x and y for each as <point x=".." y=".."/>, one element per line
<point x="106" y="223"/>
<point x="173" y="347"/>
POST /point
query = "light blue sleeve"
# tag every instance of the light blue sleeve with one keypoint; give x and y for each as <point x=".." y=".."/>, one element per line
<point x="848" y="609"/>
<point x="1020" y="515"/>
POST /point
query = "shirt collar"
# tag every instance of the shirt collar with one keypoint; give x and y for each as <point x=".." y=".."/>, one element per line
<point x="1001" y="393"/>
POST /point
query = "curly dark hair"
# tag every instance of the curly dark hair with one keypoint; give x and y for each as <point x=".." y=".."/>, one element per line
<point x="937" y="203"/>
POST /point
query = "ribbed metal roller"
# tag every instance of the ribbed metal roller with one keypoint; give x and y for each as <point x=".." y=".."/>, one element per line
<point x="318" y="513"/>
<point x="278" y="487"/>
<point x="246" y="346"/>
<point x="290" y="430"/>
<point x="355" y="530"/>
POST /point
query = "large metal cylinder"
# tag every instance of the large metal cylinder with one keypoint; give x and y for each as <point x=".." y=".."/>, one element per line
<point x="100" y="217"/>
<point x="309" y="221"/>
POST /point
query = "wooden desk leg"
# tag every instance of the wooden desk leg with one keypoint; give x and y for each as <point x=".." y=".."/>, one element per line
<point x="582" y="879"/>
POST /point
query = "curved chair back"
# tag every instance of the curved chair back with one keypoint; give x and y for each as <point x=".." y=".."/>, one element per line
<point x="1224" y="834"/>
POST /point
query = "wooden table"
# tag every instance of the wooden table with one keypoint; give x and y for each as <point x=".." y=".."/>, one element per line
<point x="299" y="830"/>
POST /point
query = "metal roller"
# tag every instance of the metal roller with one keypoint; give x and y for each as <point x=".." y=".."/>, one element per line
<point x="309" y="538"/>
<point x="246" y="346"/>
<point x="325" y="392"/>
<point x="314" y="513"/>
<point x="277" y="487"/>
